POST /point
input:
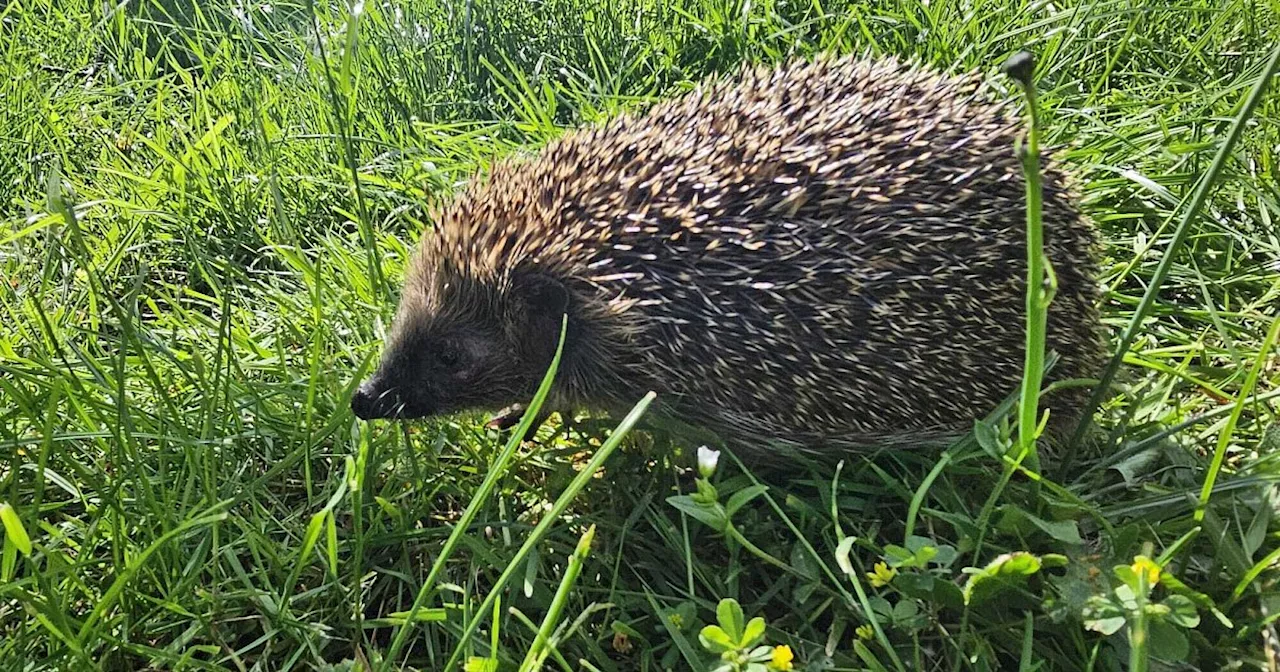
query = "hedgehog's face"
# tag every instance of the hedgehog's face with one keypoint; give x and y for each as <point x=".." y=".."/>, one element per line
<point x="452" y="352"/>
<point x="434" y="367"/>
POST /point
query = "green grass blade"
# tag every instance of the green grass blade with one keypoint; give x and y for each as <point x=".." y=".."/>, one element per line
<point x="1228" y="430"/>
<point x="135" y="564"/>
<point x="537" y="653"/>
<point x="15" y="533"/>
<point x="1198" y="199"/>
<point x="552" y="516"/>
<point x="496" y="471"/>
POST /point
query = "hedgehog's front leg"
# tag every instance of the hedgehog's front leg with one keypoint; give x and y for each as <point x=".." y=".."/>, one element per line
<point x="510" y="416"/>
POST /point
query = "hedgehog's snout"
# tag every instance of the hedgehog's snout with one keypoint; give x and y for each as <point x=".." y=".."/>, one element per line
<point x="386" y="395"/>
<point x="377" y="398"/>
<point x="371" y="401"/>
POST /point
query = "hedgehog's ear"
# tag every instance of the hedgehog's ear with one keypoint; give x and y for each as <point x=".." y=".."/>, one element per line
<point x="542" y="293"/>
<point x="546" y="300"/>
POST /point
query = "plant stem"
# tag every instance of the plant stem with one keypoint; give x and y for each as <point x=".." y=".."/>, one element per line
<point x="1138" y="658"/>
<point x="734" y="534"/>
<point x="538" y="651"/>
<point x="1039" y="292"/>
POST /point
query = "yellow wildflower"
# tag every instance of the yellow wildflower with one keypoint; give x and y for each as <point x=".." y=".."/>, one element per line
<point x="865" y="632"/>
<point x="882" y="575"/>
<point x="781" y="659"/>
<point x="1144" y="565"/>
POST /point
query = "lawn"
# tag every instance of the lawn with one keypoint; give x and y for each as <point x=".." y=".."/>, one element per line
<point x="205" y="212"/>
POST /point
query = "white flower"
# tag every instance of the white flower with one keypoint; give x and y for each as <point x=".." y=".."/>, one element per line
<point x="707" y="460"/>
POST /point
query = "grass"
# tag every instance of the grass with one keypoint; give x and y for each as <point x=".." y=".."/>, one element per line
<point x="206" y="209"/>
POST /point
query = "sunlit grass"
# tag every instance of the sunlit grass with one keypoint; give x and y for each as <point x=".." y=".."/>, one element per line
<point x="206" y="213"/>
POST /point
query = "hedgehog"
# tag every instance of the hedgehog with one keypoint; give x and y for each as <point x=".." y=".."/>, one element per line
<point x="822" y="255"/>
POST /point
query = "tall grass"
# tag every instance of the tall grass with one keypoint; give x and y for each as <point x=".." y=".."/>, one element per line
<point x="206" y="208"/>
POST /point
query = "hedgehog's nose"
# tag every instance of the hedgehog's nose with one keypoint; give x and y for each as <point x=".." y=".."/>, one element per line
<point x="371" y="401"/>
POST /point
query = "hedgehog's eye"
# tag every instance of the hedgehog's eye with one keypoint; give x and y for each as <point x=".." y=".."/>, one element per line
<point x="448" y="358"/>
